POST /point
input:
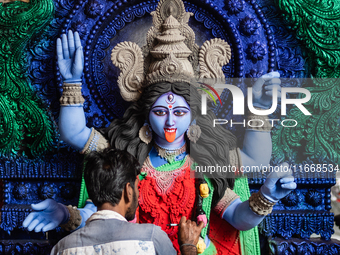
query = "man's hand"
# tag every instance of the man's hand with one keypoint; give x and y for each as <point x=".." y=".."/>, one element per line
<point x="189" y="233"/>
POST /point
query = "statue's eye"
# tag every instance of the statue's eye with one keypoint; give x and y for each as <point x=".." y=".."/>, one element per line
<point x="180" y="113"/>
<point x="160" y="112"/>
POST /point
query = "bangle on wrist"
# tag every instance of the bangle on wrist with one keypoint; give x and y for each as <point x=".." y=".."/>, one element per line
<point x="74" y="220"/>
<point x="71" y="94"/>
<point x="260" y="205"/>
<point x="258" y="122"/>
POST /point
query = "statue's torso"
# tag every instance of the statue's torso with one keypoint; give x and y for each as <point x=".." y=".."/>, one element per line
<point x="167" y="195"/>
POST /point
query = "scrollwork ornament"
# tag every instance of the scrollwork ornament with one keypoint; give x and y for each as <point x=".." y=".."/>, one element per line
<point x="166" y="8"/>
<point x="25" y="124"/>
<point x="213" y="55"/>
<point x="317" y="28"/>
<point x="128" y="57"/>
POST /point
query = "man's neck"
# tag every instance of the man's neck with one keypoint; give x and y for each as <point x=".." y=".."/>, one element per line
<point x="115" y="208"/>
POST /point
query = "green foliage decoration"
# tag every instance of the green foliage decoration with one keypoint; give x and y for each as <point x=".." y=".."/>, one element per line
<point x="25" y="125"/>
<point x="316" y="137"/>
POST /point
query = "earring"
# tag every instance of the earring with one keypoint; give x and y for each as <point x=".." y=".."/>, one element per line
<point x="194" y="132"/>
<point x="145" y="133"/>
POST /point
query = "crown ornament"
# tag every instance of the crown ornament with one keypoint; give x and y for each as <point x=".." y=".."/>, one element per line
<point x="170" y="54"/>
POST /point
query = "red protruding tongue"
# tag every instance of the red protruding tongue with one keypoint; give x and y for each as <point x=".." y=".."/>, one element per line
<point x="170" y="136"/>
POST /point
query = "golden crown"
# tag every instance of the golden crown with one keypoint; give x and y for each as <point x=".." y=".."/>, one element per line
<point x="171" y="53"/>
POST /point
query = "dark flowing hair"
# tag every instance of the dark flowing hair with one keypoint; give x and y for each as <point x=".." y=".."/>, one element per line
<point x="211" y="149"/>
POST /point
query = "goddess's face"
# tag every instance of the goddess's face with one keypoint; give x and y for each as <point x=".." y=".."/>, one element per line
<point x="170" y="117"/>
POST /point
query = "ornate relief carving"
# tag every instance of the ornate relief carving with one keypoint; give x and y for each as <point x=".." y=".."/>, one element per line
<point x="279" y="246"/>
<point x="299" y="224"/>
<point x="8" y="1"/>
<point x="128" y="57"/>
<point x="25" y="125"/>
<point x="165" y="8"/>
<point x="171" y="52"/>
<point x="316" y="26"/>
<point x="213" y="55"/>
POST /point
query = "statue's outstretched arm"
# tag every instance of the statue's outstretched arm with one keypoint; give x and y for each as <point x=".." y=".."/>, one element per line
<point x="49" y="214"/>
<point x="248" y="214"/>
<point x="72" y="122"/>
<point x="257" y="145"/>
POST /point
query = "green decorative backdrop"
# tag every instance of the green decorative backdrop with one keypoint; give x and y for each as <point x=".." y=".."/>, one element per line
<point x="25" y="124"/>
<point x="301" y="36"/>
<point x="317" y="137"/>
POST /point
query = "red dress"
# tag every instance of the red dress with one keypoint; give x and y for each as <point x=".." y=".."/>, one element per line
<point x="166" y="196"/>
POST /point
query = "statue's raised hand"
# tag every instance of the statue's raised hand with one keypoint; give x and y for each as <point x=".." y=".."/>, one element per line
<point x="70" y="57"/>
<point x="47" y="215"/>
<point x="264" y="87"/>
<point x="278" y="183"/>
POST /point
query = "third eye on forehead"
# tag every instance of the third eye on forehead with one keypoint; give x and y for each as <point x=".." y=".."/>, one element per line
<point x="161" y="107"/>
<point x="175" y="102"/>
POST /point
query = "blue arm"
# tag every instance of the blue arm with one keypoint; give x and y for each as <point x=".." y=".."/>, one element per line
<point x="257" y="148"/>
<point x="277" y="186"/>
<point x="257" y="145"/>
<point x="72" y="122"/>
<point x="240" y="216"/>
<point x="86" y="212"/>
<point x="49" y="214"/>
<point x="72" y="126"/>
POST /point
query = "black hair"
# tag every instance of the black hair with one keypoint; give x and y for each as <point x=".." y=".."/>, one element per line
<point x="107" y="172"/>
<point x="211" y="148"/>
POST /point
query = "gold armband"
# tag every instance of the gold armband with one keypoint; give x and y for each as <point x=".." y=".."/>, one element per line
<point x="260" y="205"/>
<point x="96" y="142"/>
<point x="258" y="122"/>
<point x="74" y="220"/>
<point x="71" y="94"/>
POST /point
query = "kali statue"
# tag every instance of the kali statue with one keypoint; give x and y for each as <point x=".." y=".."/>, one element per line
<point x="165" y="130"/>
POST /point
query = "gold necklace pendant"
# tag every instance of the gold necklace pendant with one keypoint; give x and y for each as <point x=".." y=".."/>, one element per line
<point x="169" y="154"/>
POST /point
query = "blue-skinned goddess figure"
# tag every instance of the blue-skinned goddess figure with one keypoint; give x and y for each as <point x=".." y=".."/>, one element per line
<point x="163" y="129"/>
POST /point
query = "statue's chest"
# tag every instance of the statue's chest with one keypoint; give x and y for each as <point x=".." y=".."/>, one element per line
<point x="166" y="196"/>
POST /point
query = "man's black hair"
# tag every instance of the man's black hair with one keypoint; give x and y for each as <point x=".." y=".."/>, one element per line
<point x="106" y="174"/>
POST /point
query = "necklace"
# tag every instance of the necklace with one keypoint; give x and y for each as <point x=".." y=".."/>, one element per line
<point x="170" y="154"/>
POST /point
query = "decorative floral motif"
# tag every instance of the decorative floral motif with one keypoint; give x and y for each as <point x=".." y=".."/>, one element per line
<point x="20" y="191"/>
<point x="93" y="9"/>
<point x="48" y="190"/>
<point x="255" y="51"/>
<point x="80" y="27"/>
<point x="291" y="199"/>
<point x="234" y="6"/>
<point x="313" y="198"/>
<point x="249" y="26"/>
<point x="254" y="74"/>
<point x="97" y="121"/>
